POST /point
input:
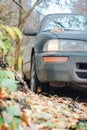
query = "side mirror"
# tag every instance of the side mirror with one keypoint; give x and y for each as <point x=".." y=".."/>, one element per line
<point x="29" y="32"/>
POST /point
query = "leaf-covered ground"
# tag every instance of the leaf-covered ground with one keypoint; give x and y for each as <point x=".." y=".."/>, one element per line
<point x="25" y="110"/>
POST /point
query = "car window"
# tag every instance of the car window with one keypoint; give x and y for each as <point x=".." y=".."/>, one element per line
<point x="67" y="22"/>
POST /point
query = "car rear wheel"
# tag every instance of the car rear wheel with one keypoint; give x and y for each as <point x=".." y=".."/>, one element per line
<point x="33" y="77"/>
<point x="23" y="75"/>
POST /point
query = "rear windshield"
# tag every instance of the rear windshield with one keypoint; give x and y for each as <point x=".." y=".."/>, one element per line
<point x="67" y="22"/>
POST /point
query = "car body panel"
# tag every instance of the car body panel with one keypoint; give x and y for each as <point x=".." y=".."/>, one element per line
<point x="60" y="71"/>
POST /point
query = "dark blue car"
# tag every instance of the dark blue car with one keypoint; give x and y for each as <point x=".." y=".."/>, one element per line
<point x="57" y="52"/>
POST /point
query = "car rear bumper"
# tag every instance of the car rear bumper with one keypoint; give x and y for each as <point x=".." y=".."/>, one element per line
<point x="74" y="70"/>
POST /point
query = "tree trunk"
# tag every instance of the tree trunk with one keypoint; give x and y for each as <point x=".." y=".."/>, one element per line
<point x="17" y="54"/>
<point x="17" y="49"/>
<point x="22" y="20"/>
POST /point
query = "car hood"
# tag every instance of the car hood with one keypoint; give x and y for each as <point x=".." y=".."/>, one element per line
<point x="75" y="35"/>
<point x="68" y="35"/>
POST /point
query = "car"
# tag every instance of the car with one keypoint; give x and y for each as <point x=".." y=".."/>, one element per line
<point x="57" y="52"/>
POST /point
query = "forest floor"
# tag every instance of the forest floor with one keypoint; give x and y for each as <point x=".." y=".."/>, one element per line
<point x="59" y="109"/>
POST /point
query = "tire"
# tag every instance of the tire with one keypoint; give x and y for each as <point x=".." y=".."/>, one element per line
<point x="23" y="75"/>
<point x="33" y="77"/>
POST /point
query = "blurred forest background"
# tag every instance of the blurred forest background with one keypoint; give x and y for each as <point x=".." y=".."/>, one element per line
<point x="28" y="13"/>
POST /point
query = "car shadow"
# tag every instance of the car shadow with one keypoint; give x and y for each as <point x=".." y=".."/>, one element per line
<point x="67" y="92"/>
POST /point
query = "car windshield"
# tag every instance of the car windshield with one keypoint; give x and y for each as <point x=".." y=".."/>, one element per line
<point x="67" y="22"/>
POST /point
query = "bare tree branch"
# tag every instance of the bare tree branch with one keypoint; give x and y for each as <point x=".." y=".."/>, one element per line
<point x="4" y="17"/>
<point x="28" y="13"/>
<point x="17" y="4"/>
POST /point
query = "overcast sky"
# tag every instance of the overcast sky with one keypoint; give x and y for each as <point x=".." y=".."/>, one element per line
<point x="57" y="9"/>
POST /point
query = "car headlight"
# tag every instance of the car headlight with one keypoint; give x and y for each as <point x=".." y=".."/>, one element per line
<point x="51" y="45"/>
<point x="65" y="45"/>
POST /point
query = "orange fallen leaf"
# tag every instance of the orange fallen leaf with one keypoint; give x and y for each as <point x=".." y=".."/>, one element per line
<point x="56" y="116"/>
<point x="4" y="127"/>
<point x="39" y="90"/>
<point x="24" y="118"/>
